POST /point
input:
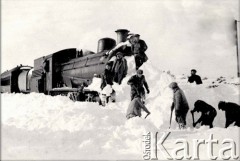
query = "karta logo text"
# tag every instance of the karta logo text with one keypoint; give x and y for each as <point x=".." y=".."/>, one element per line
<point x="158" y="146"/>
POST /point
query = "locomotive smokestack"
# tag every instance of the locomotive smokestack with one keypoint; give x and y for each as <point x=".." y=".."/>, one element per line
<point x="121" y="35"/>
<point x="105" y="44"/>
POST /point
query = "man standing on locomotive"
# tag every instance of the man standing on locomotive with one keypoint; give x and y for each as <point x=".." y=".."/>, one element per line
<point x="106" y="85"/>
<point x="107" y="76"/>
<point x="138" y="49"/>
<point x="119" y="68"/>
<point x="123" y="45"/>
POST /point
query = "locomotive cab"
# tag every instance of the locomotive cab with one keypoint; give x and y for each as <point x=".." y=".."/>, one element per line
<point x="47" y="70"/>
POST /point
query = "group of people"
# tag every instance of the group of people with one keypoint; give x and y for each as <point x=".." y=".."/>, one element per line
<point x="208" y="113"/>
<point x="137" y="83"/>
<point x="137" y="49"/>
<point x="116" y="70"/>
<point x="180" y="104"/>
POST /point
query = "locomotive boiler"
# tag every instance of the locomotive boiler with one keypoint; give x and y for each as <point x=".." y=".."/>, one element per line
<point x="63" y="71"/>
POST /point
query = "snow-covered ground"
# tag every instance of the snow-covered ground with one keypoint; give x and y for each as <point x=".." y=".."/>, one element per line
<point x="36" y="126"/>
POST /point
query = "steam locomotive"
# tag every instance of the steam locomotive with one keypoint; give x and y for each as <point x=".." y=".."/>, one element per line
<point x="63" y="71"/>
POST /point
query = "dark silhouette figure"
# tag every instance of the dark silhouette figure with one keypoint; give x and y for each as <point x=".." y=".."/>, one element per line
<point x="232" y="112"/>
<point x="194" y="77"/>
<point x="208" y="113"/>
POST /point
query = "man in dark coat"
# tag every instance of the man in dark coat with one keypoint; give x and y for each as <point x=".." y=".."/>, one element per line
<point x="232" y="112"/>
<point x="180" y="105"/>
<point x="119" y="68"/>
<point x="138" y="49"/>
<point x="208" y="113"/>
<point x="123" y="47"/>
<point x="107" y="76"/>
<point x="135" y="107"/>
<point x="194" y="77"/>
<point x="137" y="82"/>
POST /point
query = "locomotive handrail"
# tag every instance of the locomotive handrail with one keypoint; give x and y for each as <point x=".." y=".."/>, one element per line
<point x="74" y="65"/>
<point x="72" y="77"/>
<point x="80" y="67"/>
<point x="83" y="58"/>
<point x="86" y="62"/>
<point x="75" y="61"/>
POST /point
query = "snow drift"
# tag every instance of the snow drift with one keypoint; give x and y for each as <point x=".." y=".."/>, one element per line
<point x="36" y="126"/>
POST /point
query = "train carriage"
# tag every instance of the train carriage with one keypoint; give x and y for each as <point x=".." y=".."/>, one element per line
<point x="16" y="80"/>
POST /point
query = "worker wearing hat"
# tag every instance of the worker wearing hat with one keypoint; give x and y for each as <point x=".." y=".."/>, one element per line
<point x="107" y="75"/>
<point x="138" y="49"/>
<point x="232" y="112"/>
<point x="180" y="105"/>
<point x="122" y="46"/>
<point x="119" y="54"/>
<point x="208" y="113"/>
<point x="137" y="82"/>
<point x="135" y="107"/>
<point x="119" y="68"/>
<point x="194" y="77"/>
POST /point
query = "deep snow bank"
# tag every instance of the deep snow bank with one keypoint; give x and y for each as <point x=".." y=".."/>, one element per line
<point x="36" y="126"/>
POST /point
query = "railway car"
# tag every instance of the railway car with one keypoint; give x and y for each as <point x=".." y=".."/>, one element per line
<point x="16" y="80"/>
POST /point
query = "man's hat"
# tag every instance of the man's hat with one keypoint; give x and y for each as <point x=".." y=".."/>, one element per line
<point x="194" y="70"/>
<point x="109" y="63"/>
<point x="173" y="85"/>
<point x="139" y="71"/>
<point x="130" y="36"/>
<point x="198" y="104"/>
<point x="119" y="53"/>
<point x="221" y="105"/>
<point x="136" y="35"/>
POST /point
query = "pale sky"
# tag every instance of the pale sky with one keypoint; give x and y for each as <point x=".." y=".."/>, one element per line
<point x="180" y="34"/>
